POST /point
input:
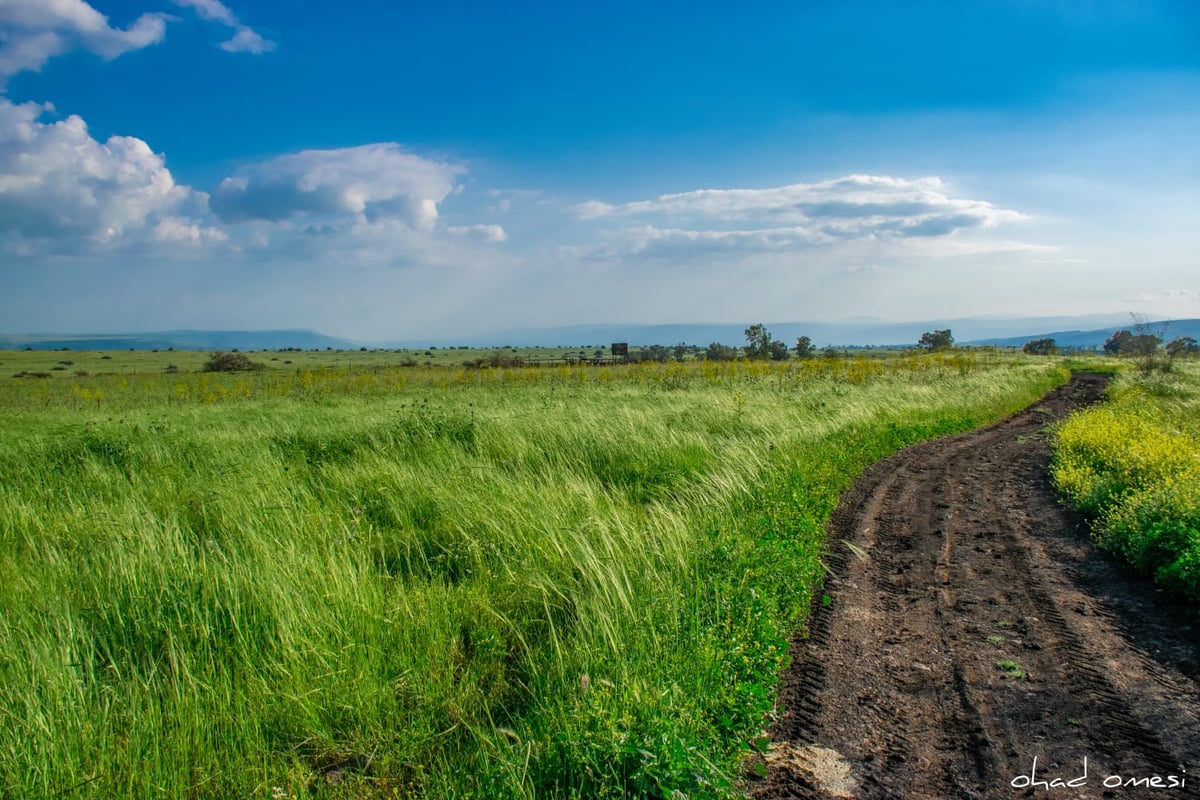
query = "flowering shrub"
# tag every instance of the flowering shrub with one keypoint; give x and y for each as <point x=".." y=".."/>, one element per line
<point x="1135" y="466"/>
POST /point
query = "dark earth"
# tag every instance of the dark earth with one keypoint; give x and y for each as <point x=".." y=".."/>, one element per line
<point x="971" y="626"/>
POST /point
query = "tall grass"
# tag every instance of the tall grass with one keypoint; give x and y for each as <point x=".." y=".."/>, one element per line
<point x="1134" y="464"/>
<point x="500" y="583"/>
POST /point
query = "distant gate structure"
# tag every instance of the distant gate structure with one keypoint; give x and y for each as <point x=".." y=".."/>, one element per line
<point x="621" y="349"/>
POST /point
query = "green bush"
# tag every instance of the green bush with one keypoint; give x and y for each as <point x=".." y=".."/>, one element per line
<point x="230" y="362"/>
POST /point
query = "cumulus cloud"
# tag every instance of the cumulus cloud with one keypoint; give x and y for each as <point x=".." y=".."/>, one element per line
<point x="375" y="182"/>
<point x="244" y="40"/>
<point x="57" y="182"/>
<point x="853" y="207"/>
<point x="34" y="31"/>
<point x="484" y="233"/>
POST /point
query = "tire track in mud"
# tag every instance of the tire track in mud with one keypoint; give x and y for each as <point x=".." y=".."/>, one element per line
<point x="970" y="627"/>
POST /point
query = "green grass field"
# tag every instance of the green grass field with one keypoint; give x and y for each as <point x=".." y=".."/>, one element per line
<point x="70" y="363"/>
<point x="67" y="363"/>
<point x="348" y="579"/>
<point x="1134" y="465"/>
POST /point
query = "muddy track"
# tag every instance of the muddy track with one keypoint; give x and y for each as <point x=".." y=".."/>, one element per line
<point x="970" y="627"/>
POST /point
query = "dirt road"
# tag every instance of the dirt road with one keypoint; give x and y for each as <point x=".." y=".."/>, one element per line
<point x="972" y="628"/>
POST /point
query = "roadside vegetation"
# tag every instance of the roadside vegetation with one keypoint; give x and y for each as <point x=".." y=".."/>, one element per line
<point x="1134" y="465"/>
<point x="377" y="581"/>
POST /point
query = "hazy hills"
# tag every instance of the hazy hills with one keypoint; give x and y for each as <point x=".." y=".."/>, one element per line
<point x="1168" y="330"/>
<point x="854" y="332"/>
<point x="180" y="340"/>
<point x="1074" y="332"/>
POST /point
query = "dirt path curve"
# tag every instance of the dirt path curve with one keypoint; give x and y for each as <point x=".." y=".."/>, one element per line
<point x="972" y="628"/>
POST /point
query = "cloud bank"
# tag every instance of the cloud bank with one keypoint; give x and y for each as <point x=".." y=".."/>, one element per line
<point x="63" y="191"/>
<point x="852" y="208"/>
<point x="370" y="183"/>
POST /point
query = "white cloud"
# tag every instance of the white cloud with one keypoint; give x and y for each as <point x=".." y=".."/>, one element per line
<point x="64" y="192"/>
<point x="34" y="31"/>
<point x="369" y="183"/>
<point x="58" y="183"/>
<point x="852" y="207"/>
<point x="211" y="10"/>
<point x="245" y="39"/>
<point x="485" y="233"/>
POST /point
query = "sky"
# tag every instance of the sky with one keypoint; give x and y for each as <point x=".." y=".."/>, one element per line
<point x="389" y="170"/>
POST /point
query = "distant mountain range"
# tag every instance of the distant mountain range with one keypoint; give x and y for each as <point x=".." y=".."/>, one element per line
<point x="853" y="332"/>
<point x="180" y="340"/>
<point x="1087" y="332"/>
<point x="1090" y="340"/>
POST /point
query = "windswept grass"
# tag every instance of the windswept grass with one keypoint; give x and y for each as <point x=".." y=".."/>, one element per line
<point x="435" y="583"/>
<point x="1134" y="464"/>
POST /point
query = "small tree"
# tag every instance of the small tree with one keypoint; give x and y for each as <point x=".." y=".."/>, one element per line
<point x="1146" y="344"/>
<point x="1041" y="347"/>
<point x="777" y="351"/>
<point x="758" y="342"/>
<point x="1143" y="345"/>
<point x="805" y="348"/>
<point x="1183" y="347"/>
<point x="936" y="340"/>
<point x="720" y="352"/>
<point x="1118" y="343"/>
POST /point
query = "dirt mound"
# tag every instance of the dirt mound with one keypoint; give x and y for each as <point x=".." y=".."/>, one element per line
<point x="970" y="627"/>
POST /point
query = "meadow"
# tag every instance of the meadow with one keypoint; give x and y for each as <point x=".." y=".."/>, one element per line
<point x="71" y="363"/>
<point x="1133" y="465"/>
<point x="352" y="579"/>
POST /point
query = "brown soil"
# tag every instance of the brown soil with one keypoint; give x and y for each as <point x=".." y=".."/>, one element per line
<point x="973" y="627"/>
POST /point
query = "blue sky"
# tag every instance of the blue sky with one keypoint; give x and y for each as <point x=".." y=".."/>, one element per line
<point x="391" y="170"/>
